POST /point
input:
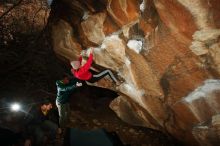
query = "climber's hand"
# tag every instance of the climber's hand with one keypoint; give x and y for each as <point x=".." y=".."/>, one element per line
<point x="83" y="53"/>
<point x="78" y="84"/>
<point x="91" y="50"/>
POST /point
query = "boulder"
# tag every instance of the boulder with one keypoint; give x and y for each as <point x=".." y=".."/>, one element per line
<point x="165" y="52"/>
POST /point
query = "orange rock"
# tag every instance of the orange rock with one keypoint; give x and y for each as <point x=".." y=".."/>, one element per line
<point x="208" y="133"/>
<point x="215" y="8"/>
<point x="92" y="28"/>
<point x="123" y="11"/>
<point x="109" y="26"/>
<point x="65" y="44"/>
<point x="176" y="17"/>
<point x="95" y="27"/>
<point x="148" y="20"/>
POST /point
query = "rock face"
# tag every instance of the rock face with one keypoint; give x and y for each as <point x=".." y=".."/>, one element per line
<point x="166" y="52"/>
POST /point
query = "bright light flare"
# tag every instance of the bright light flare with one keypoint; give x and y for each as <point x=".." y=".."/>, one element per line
<point x="15" y="107"/>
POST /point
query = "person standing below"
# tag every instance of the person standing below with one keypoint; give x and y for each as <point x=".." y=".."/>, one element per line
<point x="83" y="72"/>
<point x="64" y="89"/>
<point x="41" y="124"/>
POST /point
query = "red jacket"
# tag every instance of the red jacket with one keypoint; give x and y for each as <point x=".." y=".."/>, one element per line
<point x="83" y="72"/>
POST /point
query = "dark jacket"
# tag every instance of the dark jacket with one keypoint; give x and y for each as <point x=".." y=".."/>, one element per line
<point x="64" y="90"/>
<point x="36" y="120"/>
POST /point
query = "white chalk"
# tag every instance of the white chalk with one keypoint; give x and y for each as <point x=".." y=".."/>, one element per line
<point x="204" y="91"/>
<point x="135" y="45"/>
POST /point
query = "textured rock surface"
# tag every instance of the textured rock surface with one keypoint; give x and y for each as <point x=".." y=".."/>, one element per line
<point x="165" y="51"/>
<point x="208" y="133"/>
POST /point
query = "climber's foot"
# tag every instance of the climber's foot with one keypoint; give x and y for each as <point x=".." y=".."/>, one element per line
<point x="118" y="83"/>
<point x="120" y="79"/>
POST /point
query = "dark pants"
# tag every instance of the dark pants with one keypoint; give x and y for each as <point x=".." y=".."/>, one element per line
<point x="97" y="77"/>
<point x="41" y="132"/>
<point x="64" y="111"/>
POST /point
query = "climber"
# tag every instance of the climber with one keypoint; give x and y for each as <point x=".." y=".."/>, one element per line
<point x="64" y="90"/>
<point x="82" y="71"/>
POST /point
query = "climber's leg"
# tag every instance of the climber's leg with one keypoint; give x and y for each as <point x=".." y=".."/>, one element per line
<point x="101" y="75"/>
